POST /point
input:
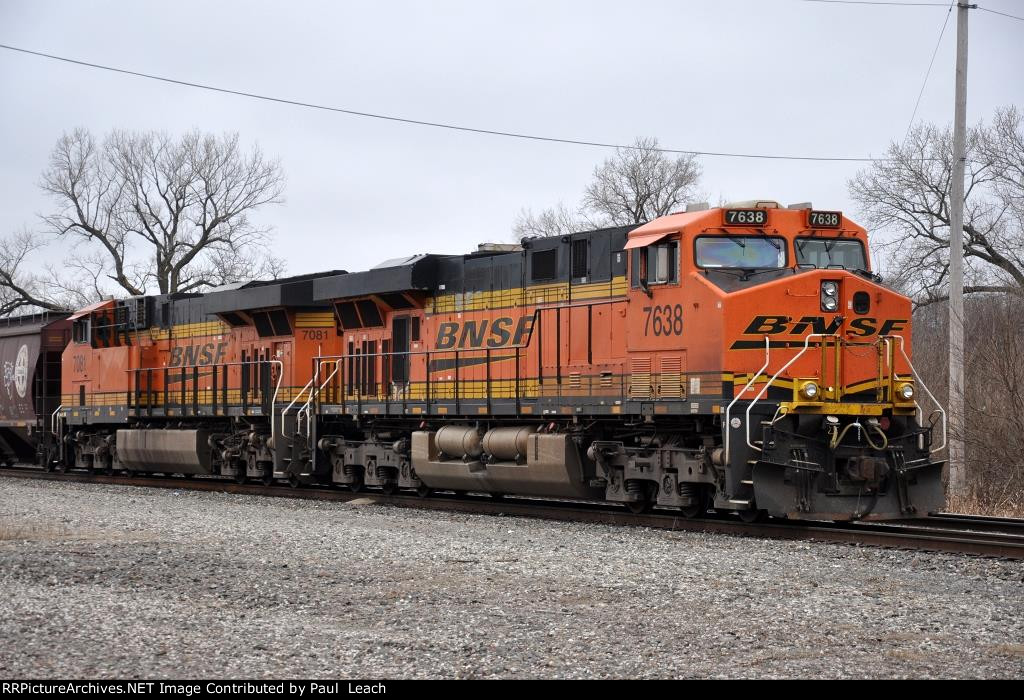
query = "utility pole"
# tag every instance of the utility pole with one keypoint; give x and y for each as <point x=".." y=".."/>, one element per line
<point x="957" y="466"/>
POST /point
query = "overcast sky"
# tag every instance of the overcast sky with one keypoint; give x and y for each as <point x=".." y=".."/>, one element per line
<point x="765" y="76"/>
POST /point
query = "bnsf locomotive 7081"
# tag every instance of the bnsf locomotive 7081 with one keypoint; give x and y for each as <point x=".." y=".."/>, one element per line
<point x="742" y="358"/>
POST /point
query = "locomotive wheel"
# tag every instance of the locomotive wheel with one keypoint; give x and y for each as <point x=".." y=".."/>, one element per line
<point x="293" y="481"/>
<point x="701" y="508"/>
<point x="638" y="507"/>
<point x="694" y="511"/>
<point x="268" y="478"/>
<point x="647" y="491"/>
<point x="240" y="477"/>
<point x="753" y="515"/>
<point x="389" y="487"/>
<point x="356" y="486"/>
<point x="423" y="491"/>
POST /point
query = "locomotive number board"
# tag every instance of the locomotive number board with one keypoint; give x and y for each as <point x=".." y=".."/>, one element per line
<point x="824" y="219"/>
<point x="746" y="217"/>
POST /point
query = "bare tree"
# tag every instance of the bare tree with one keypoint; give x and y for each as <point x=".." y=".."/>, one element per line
<point x="641" y="183"/>
<point x="994" y="432"/>
<point x="637" y="184"/>
<point x="147" y="212"/>
<point x="557" y="220"/>
<point x="21" y="289"/>
<point x="906" y="196"/>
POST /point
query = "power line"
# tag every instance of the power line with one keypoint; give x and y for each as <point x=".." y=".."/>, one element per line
<point x="924" y="84"/>
<point x="910" y="4"/>
<point x="1001" y="14"/>
<point x="418" y="122"/>
<point x="869" y="2"/>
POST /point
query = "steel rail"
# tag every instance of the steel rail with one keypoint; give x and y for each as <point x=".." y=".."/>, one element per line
<point x="970" y="523"/>
<point x="886" y="535"/>
<point x="981" y="518"/>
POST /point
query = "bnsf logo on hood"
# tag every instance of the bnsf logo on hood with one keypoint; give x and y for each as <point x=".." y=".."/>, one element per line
<point x="191" y="355"/>
<point x="483" y="333"/>
<point x="861" y="326"/>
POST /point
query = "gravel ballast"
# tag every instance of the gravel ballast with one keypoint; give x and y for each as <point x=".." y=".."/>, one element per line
<point x="117" y="581"/>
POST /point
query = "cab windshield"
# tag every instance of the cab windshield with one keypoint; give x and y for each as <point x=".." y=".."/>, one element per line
<point x="830" y="253"/>
<point x="745" y="252"/>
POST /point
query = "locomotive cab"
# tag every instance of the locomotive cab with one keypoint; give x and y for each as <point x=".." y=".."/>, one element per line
<point x="819" y="409"/>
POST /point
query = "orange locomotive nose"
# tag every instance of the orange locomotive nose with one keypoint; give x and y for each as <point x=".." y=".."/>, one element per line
<point x="815" y="311"/>
<point x="819" y="416"/>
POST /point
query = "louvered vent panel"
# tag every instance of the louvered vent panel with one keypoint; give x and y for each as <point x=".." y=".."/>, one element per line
<point x="640" y="378"/>
<point x="670" y="381"/>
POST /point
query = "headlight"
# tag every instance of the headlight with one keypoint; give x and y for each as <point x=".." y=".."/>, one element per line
<point x="829" y="288"/>
<point x="829" y="303"/>
<point x="906" y="392"/>
<point x="809" y="390"/>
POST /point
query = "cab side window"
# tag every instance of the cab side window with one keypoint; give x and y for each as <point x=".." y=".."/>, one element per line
<point x="655" y="264"/>
<point x="80" y="330"/>
<point x="663" y="263"/>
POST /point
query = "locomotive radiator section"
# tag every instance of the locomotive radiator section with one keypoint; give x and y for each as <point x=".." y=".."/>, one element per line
<point x="168" y="451"/>
<point x="512" y="460"/>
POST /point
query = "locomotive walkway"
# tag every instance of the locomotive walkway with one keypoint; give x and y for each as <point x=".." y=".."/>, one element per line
<point x="943" y="532"/>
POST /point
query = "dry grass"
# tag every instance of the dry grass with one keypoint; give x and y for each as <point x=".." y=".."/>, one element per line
<point x="974" y="505"/>
<point x="17" y="532"/>
<point x="14" y="529"/>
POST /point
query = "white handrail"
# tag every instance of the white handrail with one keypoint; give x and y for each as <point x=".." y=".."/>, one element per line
<point x="920" y="412"/>
<point x="277" y="386"/>
<point x="807" y="341"/>
<point x="728" y="428"/>
<point x="277" y="390"/>
<point x="55" y="429"/>
<point x="306" y="409"/>
<point x="807" y="344"/>
<point x="312" y="395"/>
<point x="289" y="406"/>
<point x="54" y="420"/>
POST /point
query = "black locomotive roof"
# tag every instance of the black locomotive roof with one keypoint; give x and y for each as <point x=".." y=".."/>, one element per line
<point x="419" y="272"/>
<point x="478" y="271"/>
<point x="290" y="291"/>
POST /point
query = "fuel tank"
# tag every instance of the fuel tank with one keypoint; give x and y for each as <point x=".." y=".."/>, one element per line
<point x="169" y="451"/>
<point x="553" y="466"/>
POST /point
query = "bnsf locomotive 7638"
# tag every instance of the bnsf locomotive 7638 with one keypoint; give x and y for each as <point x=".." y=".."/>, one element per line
<point x="742" y="358"/>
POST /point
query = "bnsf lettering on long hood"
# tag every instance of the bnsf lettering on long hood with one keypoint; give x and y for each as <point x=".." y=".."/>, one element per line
<point x="786" y="325"/>
<point x="205" y="354"/>
<point x="483" y="333"/>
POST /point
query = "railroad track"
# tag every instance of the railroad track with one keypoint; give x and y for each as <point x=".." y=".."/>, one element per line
<point x="976" y="523"/>
<point x="943" y="532"/>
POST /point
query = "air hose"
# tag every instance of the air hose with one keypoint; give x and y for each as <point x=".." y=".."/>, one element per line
<point x="838" y="435"/>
